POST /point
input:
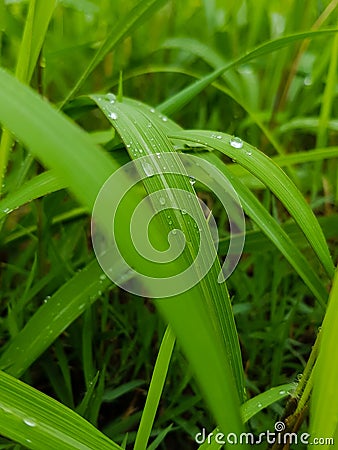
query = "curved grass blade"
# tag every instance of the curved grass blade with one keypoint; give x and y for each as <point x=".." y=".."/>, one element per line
<point x="275" y="179"/>
<point x="39" y="422"/>
<point x="53" y="317"/>
<point x="251" y="407"/>
<point x="254" y="209"/>
<point x="324" y="417"/>
<point x="201" y="317"/>
<point x="176" y="102"/>
<point x="135" y="18"/>
<point x="41" y="185"/>
<point x="54" y="139"/>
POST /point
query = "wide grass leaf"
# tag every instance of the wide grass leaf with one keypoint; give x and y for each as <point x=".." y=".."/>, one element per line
<point x="201" y="317"/>
<point x="39" y="422"/>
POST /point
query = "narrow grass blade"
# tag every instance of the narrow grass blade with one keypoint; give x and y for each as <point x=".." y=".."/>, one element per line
<point x="155" y="390"/>
<point x="324" y="411"/>
<point x="39" y="15"/>
<point x="176" y="102"/>
<point x="52" y="318"/>
<point x="40" y="423"/>
<point x="136" y="17"/>
<point x="275" y="179"/>
<point x="256" y="211"/>
<point x="249" y="409"/>
<point x="41" y="185"/>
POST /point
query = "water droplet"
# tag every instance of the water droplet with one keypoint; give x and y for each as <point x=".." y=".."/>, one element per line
<point x="7" y="210"/>
<point x="170" y="222"/>
<point x="282" y="392"/>
<point x="152" y="110"/>
<point x="192" y="180"/>
<point x="162" y="200"/>
<point x="236" y="142"/>
<point x="165" y="119"/>
<point x="259" y="405"/>
<point x="249" y="153"/>
<point x="158" y="155"/>
<point x="46" y="299"/>
<point x="174" y="231"/>
<point x="113" y="115"/>
<point x="218" y="136"/>
<point x="148" y="169"/>
<point x="103" y="277"/>
<point x="184" y="211"/>
<point x="149" y="125"/>
<point x="29" y="422"/>
<point x="307" y="80"/>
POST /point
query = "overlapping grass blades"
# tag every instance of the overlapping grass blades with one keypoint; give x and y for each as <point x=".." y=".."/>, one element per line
<point x="39" y="422"/>
<point x="204" y="327"/>
<point x="210" y="344"/>
<point x="276" y="180"/>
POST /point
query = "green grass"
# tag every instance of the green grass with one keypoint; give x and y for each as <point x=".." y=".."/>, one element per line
<point x="90" y="363"/>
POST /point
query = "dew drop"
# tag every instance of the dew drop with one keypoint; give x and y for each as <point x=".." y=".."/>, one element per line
<point x="307" y="80"/>
<point x="149" y="125"/>
<point x="184" y="211"/>
<point x="249" y="153"/>
<point x="282" y="392"/>
<point x="174" y="231"/>
<point x="218" y="136"/>
<point x="148" y="169"/>
<point x="259" y="405"/>
<point x="162" y="200"/>
<point x="152" y="110"/>
<point x="29" y="422"/>
<point x="192" y="180"/>
<point x="165" y="119"/>
<point x="170" y="222"/>
<point x="103" y="277"/>
<point x="113" y="115"/>
<point x="236" y="142"/>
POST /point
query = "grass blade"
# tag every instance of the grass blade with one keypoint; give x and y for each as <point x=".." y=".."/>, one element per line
<point x="276" y="180"/>
<point x="136" y="17"/>
<point x="208" y="336"/>
<point x="40" y="423"/>
<point x="324" y="418"/>
<point x="155" y="390"/>
<point x="254" y="209"/>
<point x="41" y="185"/>
<point x="52" y="318"/>
<point x="176" y="102"/>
